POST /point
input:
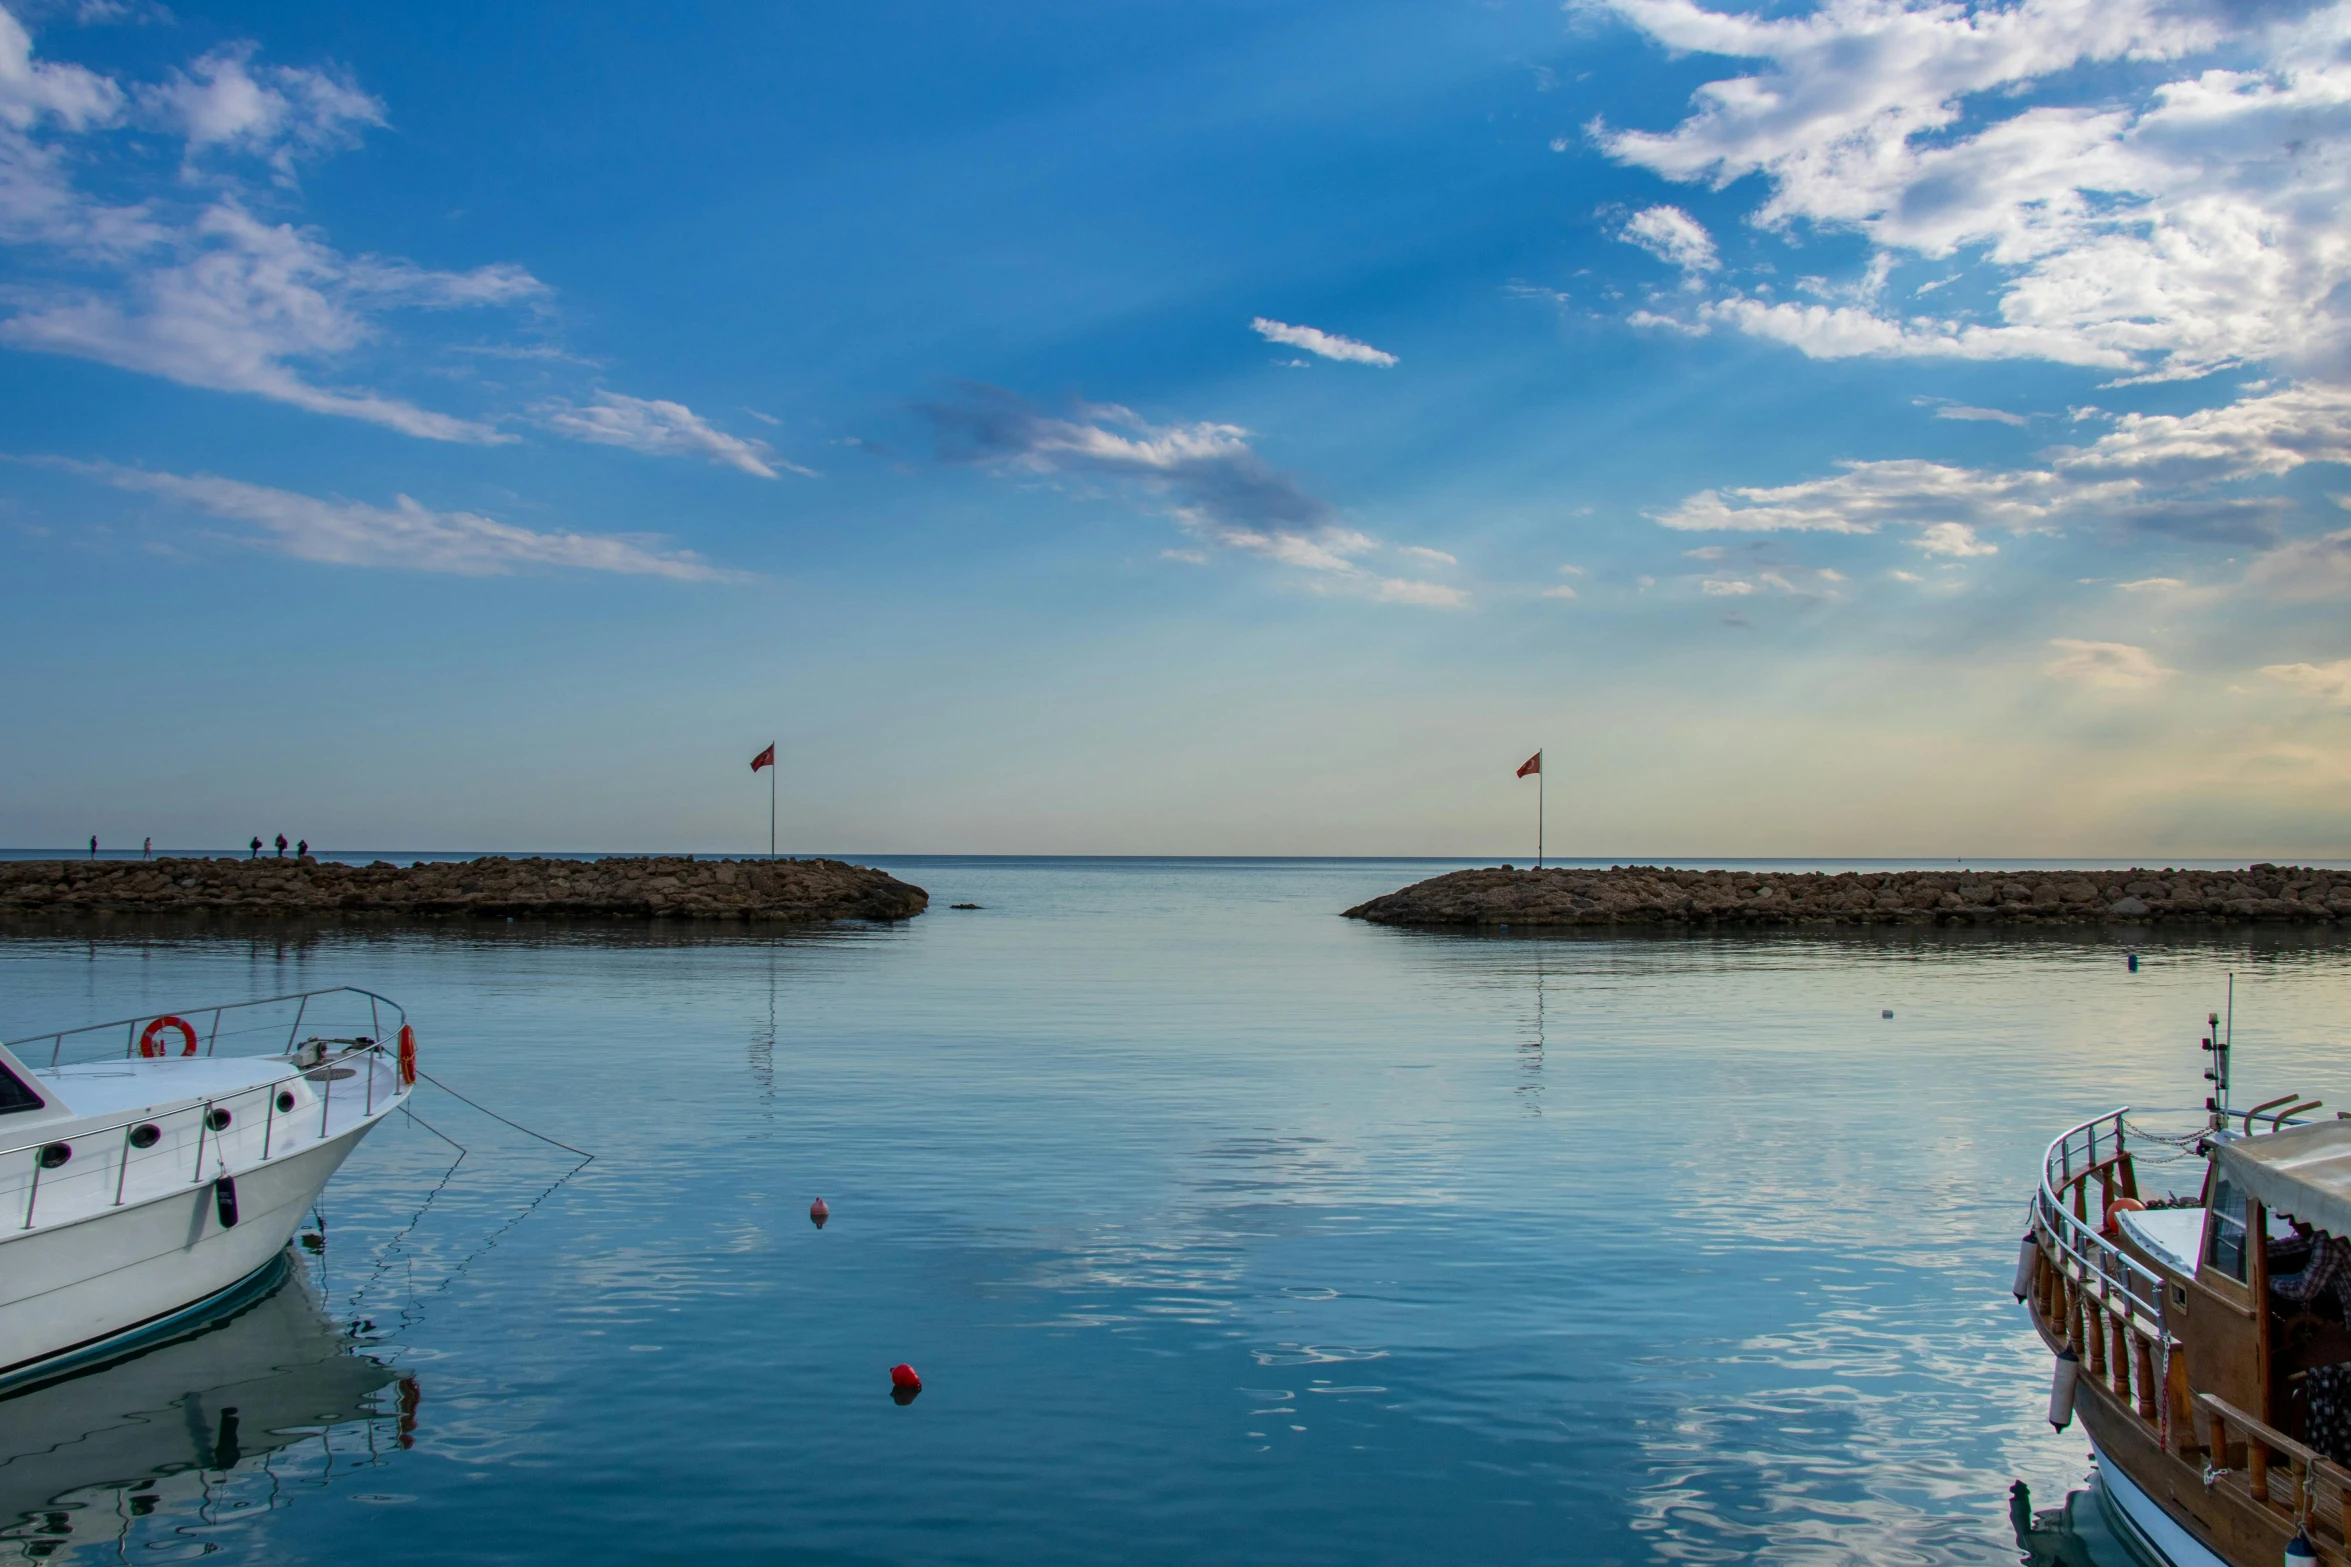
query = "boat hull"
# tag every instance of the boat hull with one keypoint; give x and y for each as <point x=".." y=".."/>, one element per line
<point x="2152" y="1534"/>
<point x="87" y="1290"/>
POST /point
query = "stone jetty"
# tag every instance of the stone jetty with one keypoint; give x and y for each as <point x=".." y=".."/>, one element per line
<point x="657" y="888"/>
<point x="1659" y="895"/>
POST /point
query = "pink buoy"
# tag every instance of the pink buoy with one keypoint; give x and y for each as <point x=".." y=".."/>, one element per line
<point x="818" y="1213"/>
<point x="904" y="1377"/>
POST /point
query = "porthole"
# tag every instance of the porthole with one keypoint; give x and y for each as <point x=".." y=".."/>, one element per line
<point x="55" y="1154"/>
<point x="217" y="1119"/>
<point x="285" y="1100"/>
<point x="146" y="1135"/>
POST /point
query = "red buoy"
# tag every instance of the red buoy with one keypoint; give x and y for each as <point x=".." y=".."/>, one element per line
<point x="904" y="1377"/>
<point x="818" y="1213"/>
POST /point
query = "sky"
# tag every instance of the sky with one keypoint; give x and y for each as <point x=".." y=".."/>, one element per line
<point x="1851" y="429"/>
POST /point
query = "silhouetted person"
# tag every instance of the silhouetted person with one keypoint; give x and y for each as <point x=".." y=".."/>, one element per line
<point x="257" y="846"/>
<point x="93" y="846"/>
<point x="281" y="846"/>
<point x="147" y="850"/>
<point x="302" y="849"/>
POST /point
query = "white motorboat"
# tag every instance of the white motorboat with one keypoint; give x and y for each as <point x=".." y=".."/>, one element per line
<point x="152" y="1171"/>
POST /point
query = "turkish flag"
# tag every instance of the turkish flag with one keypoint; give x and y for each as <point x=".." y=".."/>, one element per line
<point x="766" y="758"/>
<point x="1533" y="764"/>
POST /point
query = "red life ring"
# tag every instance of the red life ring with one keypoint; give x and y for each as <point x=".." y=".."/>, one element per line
<point x="151" y="1047"/>
<point x="407" y="1055"/>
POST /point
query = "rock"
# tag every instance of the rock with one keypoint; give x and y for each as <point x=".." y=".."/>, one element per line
<point x="1652" y="895"/>
<point x="768" y="890"/>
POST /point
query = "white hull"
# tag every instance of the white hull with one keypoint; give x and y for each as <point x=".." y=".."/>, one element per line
<point x="2146" y="1528"/>
<point x="97" y="1279"/>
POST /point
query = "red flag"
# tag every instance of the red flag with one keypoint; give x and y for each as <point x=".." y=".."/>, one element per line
<point x="766" y="758"/>
<point x="1533" y="764"/>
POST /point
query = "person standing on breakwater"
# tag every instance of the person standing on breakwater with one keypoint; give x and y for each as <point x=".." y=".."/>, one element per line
<point x="302" y="849"/>
<point x="281" y="846"/>
<point x="257" y="846"/>
<point x="147" y="850"/>
<point x="93" y="846"/>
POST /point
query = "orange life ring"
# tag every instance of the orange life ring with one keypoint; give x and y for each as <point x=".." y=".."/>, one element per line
<point x="2114" y="1212"/>
<point x="407" y="1055"/>
<point x="150" y="1046"/>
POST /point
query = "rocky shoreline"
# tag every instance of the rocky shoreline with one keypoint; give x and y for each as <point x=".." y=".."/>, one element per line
<point x="678" y="887"/>
<point x="1660" y="895"/>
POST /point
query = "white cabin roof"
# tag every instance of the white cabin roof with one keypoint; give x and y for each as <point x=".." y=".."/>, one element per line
<point x="2303" y="1172"/>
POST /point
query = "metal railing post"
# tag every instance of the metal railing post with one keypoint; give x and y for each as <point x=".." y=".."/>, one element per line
<point x="124" y="1173"/>
<point x="34" y="1195"/>
<point x="203" y="1127"/>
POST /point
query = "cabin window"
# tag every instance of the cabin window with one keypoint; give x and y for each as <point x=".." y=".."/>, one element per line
<point x="2224" y="1242"/>
<point x="16" y="1094"/>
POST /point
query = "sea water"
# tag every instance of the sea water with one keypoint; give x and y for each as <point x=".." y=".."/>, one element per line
<point x="1219" y="1229"/>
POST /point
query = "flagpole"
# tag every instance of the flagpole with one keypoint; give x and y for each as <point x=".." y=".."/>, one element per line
<point x="1538" y="810"/>
<point x="771" y="810"/>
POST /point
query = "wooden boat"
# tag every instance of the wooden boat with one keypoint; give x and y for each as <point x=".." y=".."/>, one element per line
<point x="2191" y="1373"/>
<point x="152" y="1171"/>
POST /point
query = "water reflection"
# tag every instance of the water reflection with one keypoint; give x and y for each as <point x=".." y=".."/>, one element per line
<point x="2072" y="1534"/>
<point x="196" y="1432"/>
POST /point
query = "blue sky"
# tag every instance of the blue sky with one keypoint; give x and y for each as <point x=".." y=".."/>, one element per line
<point x="1856" y="429"/>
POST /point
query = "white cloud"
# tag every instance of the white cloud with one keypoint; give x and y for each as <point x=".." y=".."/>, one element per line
<point x="1329" y="345"/>
<point x="1562" y="591"/>
<point x="2327" y="682"/>
<point x="660" y="429"/>
<point x="2304" y="570"/>
<point x="1674" y="237"/>
<point x="1955" y="539"/>
<point x="1977" y="415"/>
<point x="1423" y="552"/>
<point x="2152" y="585"/>
<point x="2150" y="473"/>
<point x="2105" y="666"/>
<point x="1432" y="595"/>
<point x="32" y="90"/>
<point x="404" y="534"/>
<point x="1206" y="475"/>
<point x="244" y="304"/>
<point x="188" y="285"/>
<point x="278" y="113"/>
<point x="2167" y="229"/>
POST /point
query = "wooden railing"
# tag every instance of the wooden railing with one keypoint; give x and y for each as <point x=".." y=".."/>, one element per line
<point x="2276" y="1472"/>
<point x="2107" y="1306"/>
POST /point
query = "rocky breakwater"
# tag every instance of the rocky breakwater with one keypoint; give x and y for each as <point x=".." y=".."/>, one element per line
<point x="1656" y="895"/>
<point x="662" y="888"/>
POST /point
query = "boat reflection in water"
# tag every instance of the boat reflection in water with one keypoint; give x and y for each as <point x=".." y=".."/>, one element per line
<point x="167" y="1437"/>
<point x="2073" y="1534"/>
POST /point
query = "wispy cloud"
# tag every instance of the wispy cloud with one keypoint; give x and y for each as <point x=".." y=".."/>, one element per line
<point x="1950" y="410"/>
<point x="277" y="113"/>
<point x="2327" y="682"/>
<point x="1328" y="344"/>
<point x="2149" y="474"/>
<point x="1674" y="237"/>
<point x="1205" y="475"/>
<point x="404" y="534"/>
<point x="185" y="283"/>
<point x="2105" y="666"/>
<point x="661" y="429"/>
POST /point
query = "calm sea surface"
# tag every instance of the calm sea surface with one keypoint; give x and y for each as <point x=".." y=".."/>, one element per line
<point x="1220" y="1229"/>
